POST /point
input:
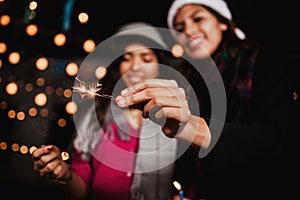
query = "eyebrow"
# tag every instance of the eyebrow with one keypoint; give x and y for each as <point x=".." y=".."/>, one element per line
<point x="191" y="16"/>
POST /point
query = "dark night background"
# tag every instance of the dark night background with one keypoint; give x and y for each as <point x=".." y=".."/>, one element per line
<point x="274" y="24"/>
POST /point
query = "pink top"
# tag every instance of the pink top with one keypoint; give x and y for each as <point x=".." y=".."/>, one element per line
<point x="109" y="174"/>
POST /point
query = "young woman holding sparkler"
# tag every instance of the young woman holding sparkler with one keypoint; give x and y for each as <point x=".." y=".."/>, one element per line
<point x="127" y="156"/>
<point x="239" y="137"/>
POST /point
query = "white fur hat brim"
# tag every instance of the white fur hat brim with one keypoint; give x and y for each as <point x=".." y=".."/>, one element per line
<point x="219" y="6"/>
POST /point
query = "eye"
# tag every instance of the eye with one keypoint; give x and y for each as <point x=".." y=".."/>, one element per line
<point x="179" y="29"/>
<point x="126" y="57"/>
<point x="197" y="19"/>
<point x="147" y="58"/>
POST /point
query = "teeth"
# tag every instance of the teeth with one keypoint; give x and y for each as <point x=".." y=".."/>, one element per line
<point x="196" y="41"/>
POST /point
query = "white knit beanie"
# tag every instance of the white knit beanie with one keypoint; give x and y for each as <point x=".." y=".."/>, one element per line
<point x="219" y="6"/>
<point x="141" y="29"/>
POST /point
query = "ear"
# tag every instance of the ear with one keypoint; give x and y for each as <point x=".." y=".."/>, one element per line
<point x="223" y="26"/>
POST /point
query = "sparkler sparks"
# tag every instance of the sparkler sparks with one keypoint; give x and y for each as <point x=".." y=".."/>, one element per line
<point x="90" y="90"/>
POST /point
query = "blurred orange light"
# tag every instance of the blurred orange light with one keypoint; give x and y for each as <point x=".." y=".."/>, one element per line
<point x="89" y="46"/>
<point x="177" y="51"/>
<point x="100" y="72"/>
<point x="4" y="20"/>
<point x="62" y="122"/>
<point x="11" y="88"/>
<point x="32" y="112"/>
<point x="83" y="18"/>
<point x="72" y="69"/>
<point x="15" y="147"/>
<point x="41" y="63"/>
<point x="14" y="58"/>
<point x="3" y="145"/>
<point x="31" y="29"/>
<point x="21" y="116"/>
<point x="24" y="149"/>
<point x="32" y="5"/>
<point x="71" y="107"/>
<point x="11" y="114"/>
<point x="60" y="39"/>
<point x="3" y="47"/>
<point x="40" y="99"/>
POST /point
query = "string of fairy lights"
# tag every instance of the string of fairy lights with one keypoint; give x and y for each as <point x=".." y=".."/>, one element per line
<point x="13" y="85"/>
<point x="41" y="89"/>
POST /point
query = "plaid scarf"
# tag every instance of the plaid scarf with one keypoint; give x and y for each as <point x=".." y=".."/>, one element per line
<point x="237" y="73"/>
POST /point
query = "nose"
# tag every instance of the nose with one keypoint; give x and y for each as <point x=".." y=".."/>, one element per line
<point x="190" y="29"/>
<point x="136" y="63"/>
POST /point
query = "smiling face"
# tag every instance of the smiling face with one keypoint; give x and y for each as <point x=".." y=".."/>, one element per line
<point x="138" y="63"/>
<point x="203" y="29"/>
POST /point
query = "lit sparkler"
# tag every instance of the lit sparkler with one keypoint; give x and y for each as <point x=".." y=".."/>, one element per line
<point x="90" y="90"/>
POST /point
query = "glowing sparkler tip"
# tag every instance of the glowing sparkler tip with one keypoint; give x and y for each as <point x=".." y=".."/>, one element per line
<point x="90" y="90"/>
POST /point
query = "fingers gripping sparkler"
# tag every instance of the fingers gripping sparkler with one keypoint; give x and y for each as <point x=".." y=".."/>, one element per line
<point x="90" y="90"/>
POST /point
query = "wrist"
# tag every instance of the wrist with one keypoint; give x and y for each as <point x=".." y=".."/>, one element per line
<point x="68" y="179"/>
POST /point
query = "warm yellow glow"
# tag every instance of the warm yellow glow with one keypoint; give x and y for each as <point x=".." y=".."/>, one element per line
<point x="11" y="88"/>
<point x="40" y="99"/>
<point x="3" y="145"/>
<point x="72" y="69"/>
<point x="83" y="18"/>
<point x="11" y="114"/>
<point x="62" y="122"/>
<point x="71" y="107"/>
<point x="41" y="63"/>
<point x="177" y="51"/>
<point x="32" y="29"/>
<point x="100" y="72"/>
<point x="3" y="47"/>
<point x="15" y="147"/>
<point x="177" y="185"/>
<point x="28" y="87"/>
<point x="32" y="149"/>
<point x="32" y="5"/>
<point x="4" y="20"/>
<point x="24" y="149"/>
<point x="89" y="46"/>
<point x="32" y="112"/>
<point x="60" y="39"/>
<point x="65" y="155"/>
<point x="21" y="115"/>
<point x="14" y="58"/>
<point x="44" y="112"/>
<point x="0" y="63"/>
<point x="40" y="81"/>
<point x="67" y="93"/>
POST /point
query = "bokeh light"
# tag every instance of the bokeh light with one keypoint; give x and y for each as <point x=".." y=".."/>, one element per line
<point x="100" y="72"/>
<point x="11" y="88"/>
<point x="41" y="63"/>
<point x="83" y="18"/>
<point x="5" y="20"/>
<point x="177" y="51"/>
<point x="3" y="47"/>
<point x="71" y="107"/>
<point x="89" y="46"/>
<point x="72" y="69"/>
<point x="40" y="99"/>
<point x="14" y="58"/>
<point x="60" y="39"/>
<point x="31" y="29"/>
